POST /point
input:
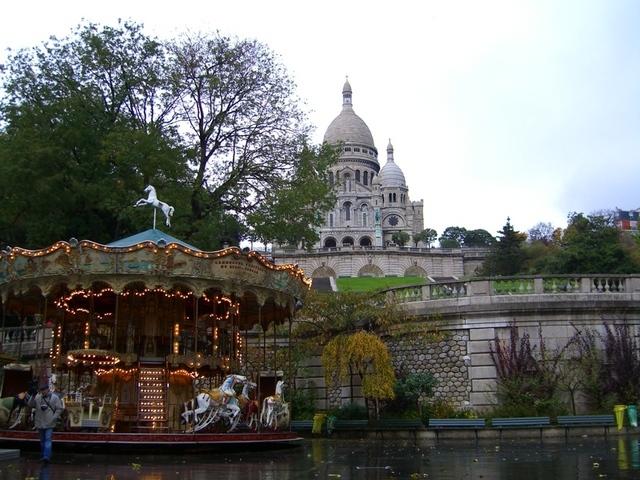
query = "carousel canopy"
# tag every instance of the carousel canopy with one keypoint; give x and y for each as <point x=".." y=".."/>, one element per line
<point x="152" y="235"/>
<point x="157" y="261"/>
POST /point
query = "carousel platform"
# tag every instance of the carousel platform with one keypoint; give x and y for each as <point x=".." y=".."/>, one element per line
<point x="152" y="442"/>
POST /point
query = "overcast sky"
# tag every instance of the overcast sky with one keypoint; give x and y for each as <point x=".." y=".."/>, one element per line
<point x="495" y="108"/>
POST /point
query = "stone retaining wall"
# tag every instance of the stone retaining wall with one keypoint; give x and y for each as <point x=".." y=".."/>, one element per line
<point x="444" y="359"/>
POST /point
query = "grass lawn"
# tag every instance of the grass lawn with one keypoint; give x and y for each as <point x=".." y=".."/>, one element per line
<point x="369" y="284"/>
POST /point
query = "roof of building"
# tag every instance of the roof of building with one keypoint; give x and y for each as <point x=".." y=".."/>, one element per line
<point x="391" y="175"/>
<point x="151" y="235"/>
<point x="348" y="127"/>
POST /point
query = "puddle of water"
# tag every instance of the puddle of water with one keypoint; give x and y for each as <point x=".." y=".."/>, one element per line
<point x="584" y="458"/>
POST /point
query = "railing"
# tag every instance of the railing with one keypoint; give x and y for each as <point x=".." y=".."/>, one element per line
<point x="525" y="285"/>
<point x="473" y="251"/>
<point x="25" y="341"/>
<point x="449" y="290"/>
<point x="561" y="284"/>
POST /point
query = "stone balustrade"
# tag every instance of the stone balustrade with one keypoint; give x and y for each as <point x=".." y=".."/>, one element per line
<point x="473" y="313"/>
<point x="524" y="285"/>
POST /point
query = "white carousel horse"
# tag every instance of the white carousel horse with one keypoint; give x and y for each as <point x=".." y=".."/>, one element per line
<point x="212" y="405"/>
<point x="274" y="407"/>
<point x="152" y="199"/>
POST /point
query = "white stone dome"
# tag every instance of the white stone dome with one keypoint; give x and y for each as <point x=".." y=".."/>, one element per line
<point x="391" y="175"/>
<point x="348" y="127"/>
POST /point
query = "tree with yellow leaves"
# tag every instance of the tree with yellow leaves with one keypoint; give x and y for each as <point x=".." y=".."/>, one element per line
<point x="364" y="354"/>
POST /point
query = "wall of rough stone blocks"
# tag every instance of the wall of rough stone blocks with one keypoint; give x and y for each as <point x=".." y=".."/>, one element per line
<point x="444" y="359"/>
<point x="461" y="361"/>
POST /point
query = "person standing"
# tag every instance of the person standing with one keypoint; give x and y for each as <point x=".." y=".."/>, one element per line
<point x="47" y="409"/>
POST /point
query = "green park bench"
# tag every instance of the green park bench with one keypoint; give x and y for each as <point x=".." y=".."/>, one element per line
<point x="343" y="425"/>
<point x="520" y="422"/>
<point x="568" y="421"/>
<point x="439" y="424"/>
<point x="396" y="424"/>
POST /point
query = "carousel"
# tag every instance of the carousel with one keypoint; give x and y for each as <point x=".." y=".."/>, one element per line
<point x="151" y="341"/>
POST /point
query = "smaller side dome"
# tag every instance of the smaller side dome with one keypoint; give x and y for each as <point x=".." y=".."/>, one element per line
<point x="391" y="175"/>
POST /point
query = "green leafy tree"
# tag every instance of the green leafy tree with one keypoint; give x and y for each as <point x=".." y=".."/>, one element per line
<point x="292" y="213"/>
<point x="326" y="315"/>
<point x="85" y="126"/>
<point x="213" y="123"/>
<point x="400" y="238"/>
<point x="590" y="244"/>
<point x="452" y="237"/>
<point x="478" y="238"/>
<point x="507" y="256"/>
<point x="244" y="129"/>
<point x="426" y="236"/>
<point x="337" y="322"/>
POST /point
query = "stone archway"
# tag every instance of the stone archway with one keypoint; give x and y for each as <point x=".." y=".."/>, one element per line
<point x="365" y="241"/>
<point x="415" y="271"/>
<point x="330" y="242"/>
<point x="370" y="270"/>
<point x="347" y="242"/>
<point x="324" y="272"/>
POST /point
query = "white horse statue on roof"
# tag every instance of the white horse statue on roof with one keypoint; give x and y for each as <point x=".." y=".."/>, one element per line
<point x="152" y="199"/>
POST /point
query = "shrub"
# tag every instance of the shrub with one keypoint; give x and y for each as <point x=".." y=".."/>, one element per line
<point x="409" y="390"/>
<point x="441" y="408"/>
<point x="302" y="403"/>
<point x="350" y="411"/>
<point x="527" y="382"/>
<point x="612" y="374"/>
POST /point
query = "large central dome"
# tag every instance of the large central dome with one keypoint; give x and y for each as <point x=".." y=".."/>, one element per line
<point x="348" y="127"/>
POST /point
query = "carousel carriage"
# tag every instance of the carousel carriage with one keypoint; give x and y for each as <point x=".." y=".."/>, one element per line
<point x="127" y="327"/>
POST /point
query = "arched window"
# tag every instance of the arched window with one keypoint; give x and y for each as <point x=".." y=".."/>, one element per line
<point x="365" y="242"/>
<point x="364" y="209"/>
<point x="390" y="198"/>
<point x="357" y="176"/>
<point x="329" y="242"/>
<point x="347" y="242"/>
<point x="347" y="211"/>
<point x="365" y="178"/>
<point x="331" y="219"/>
<point x="394" y="198"/>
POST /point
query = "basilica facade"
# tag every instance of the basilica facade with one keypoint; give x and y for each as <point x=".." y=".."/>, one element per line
<point x="372" y="203"/>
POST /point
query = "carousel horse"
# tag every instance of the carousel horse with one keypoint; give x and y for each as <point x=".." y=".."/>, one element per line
<point x="249" y="408"/>
<point x="274" y="407"/>
<point x="152" y="199"/>
<point x="211" y="405"/>
<point x="9" y="404"/>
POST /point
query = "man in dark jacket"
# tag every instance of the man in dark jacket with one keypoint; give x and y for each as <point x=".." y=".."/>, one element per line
<point x="47" y="409"/>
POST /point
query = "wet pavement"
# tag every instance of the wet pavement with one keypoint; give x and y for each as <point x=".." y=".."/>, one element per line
<point x="581" y="458"/>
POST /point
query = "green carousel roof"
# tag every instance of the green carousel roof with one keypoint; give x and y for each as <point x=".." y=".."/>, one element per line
<point x="152" y="235"/>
